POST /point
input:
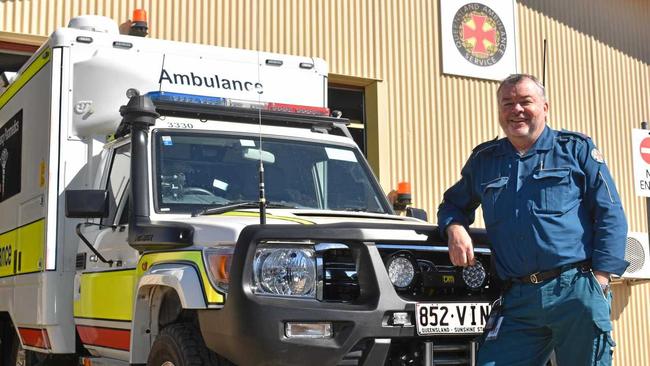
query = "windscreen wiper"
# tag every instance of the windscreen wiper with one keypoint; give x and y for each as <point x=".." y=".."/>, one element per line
<point x="236" y="205"/>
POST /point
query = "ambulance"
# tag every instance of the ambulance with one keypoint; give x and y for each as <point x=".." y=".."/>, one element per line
<point x="167" y="203"/>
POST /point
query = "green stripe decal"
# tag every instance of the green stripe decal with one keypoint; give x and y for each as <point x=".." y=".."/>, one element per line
<point x="256" y="214"/>
<point x="26" y="76"/>
<point x="212" y="296"/>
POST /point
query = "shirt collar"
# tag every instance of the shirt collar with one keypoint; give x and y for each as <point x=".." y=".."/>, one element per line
<point x="544" y="143"/>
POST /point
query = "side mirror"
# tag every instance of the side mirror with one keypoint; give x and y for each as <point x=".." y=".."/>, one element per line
<point x="86" y="204"/>
<point x="417" y="213"/>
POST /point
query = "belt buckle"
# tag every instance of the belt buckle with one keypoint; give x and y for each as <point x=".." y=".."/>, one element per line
<point x="533" y="278"/>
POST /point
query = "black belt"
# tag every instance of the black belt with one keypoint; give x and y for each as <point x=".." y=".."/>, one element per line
<point x="539" y="277"/>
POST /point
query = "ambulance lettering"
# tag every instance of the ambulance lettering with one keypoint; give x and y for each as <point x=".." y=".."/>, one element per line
<point x="214" y="81"/>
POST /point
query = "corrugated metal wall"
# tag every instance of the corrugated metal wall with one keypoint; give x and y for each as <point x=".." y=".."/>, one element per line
<point x="598" y="80"/>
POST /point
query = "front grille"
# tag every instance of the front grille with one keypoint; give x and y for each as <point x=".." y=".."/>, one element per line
<point x="412" y="351"/>
<point x="356" y="354"/>
<point x="340" y="282"/>
<point x="446" y="351"/>
<point x="436" y="278"/>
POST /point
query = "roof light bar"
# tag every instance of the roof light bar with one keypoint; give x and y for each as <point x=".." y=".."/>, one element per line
<point x="302" y="109"/>
<point x="236" y="103"/>
<point x="186" y="98"/>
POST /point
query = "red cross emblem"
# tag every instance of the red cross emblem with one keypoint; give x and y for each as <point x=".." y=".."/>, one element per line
<point x="478" y="33"/>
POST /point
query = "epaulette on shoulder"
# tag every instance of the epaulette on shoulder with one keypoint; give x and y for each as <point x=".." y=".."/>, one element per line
<point x="571" y="134"/>
<point x="485" y="146"/>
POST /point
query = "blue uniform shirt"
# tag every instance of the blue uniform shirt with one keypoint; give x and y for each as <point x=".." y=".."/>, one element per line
<point x="555" y="205"/>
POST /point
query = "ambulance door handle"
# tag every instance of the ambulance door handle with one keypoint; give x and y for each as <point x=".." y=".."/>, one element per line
<point x="20" y="261"/>
<point x="15" y="260"/>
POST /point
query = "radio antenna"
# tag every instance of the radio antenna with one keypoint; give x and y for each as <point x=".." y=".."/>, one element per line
<point x="260" y="90"/>
<point x="544" y="65"/>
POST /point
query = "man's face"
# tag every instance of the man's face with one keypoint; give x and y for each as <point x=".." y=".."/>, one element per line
<point x="522" y="112"/>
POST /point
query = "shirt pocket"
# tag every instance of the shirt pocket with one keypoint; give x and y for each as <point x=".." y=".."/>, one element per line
<point x="553" y="187"/>
<point x="491" y="191"/>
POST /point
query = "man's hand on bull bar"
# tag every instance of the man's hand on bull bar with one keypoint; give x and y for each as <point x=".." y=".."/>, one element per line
<point x="461" y="249"/>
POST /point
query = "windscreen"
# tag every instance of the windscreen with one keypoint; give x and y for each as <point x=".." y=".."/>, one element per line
<point x="195" y="171"/>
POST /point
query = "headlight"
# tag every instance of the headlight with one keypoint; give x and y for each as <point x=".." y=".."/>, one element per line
<point x="285" y="271"/>
<point x="401" y="270"/>
<point x="474" y="276"/>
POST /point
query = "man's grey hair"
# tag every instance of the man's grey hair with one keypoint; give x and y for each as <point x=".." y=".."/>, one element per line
<point x="515" y="79"/>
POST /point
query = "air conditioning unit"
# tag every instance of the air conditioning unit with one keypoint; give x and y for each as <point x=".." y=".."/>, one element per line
<point x="637" y="252"/>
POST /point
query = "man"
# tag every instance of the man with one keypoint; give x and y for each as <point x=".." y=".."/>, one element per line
<point x="557" y="230"/>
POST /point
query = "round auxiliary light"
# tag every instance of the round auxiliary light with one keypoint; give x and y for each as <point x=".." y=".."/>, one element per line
<point x="401" y="270"/>
<point x="474" y="276"/>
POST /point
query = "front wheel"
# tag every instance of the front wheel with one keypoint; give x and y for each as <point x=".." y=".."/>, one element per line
<point x="181" y="344"/>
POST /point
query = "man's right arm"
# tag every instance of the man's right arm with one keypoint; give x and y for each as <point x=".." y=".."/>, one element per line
<point x="461" y="249"/>
<point x="455" y="213"/>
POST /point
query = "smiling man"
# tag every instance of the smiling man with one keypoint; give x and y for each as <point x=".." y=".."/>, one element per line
<point x="557" y="229"/>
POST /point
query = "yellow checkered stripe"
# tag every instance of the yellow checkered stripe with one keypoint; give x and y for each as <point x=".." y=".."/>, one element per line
<point x="106" y="295"/>
<point x="22" y="249"/>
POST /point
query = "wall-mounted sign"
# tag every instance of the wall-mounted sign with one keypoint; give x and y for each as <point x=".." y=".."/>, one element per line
<point x="478" y="38"/>
<point x="641" y="161"/>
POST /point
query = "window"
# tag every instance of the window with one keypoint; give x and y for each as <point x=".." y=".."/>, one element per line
<point x="118" y="181"/>
<point x="350" y="101"/>
<point x="14" y="55"/>
<point x="199" y="170"/>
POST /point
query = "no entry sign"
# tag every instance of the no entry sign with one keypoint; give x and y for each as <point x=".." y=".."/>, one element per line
<point x="641" y="160"/>
<point x="645" y="149"/>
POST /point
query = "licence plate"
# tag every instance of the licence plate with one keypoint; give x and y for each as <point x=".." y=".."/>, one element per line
<point x="451" y="317"/>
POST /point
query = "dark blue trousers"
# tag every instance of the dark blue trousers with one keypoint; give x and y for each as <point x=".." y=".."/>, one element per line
<point x="568" y="314"/>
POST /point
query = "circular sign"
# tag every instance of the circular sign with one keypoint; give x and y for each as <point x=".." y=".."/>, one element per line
<point x="645" y="150"/>
<point x="479" y="34"/>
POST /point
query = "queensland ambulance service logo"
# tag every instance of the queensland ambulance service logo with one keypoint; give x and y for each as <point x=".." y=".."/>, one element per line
<point x="479" y="34"/>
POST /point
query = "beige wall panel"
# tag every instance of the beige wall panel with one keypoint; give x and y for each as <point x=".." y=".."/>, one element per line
<point x="598" y="79"/>
<point x="631" y="315"/>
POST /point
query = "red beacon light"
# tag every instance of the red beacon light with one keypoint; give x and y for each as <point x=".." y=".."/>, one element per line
<point x="301" y="109"/>
<point x="238" y="103"/>
<point x="139" y="25"/>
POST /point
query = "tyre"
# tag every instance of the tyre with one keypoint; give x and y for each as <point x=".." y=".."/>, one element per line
<point x="11" y="351"/>
<point x="181" y="344"/>
<point x="18" y="356"/>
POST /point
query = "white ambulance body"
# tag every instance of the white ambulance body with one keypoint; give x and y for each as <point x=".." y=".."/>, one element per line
<point x="144" y="284"/>
<point x="55" y="118"/>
